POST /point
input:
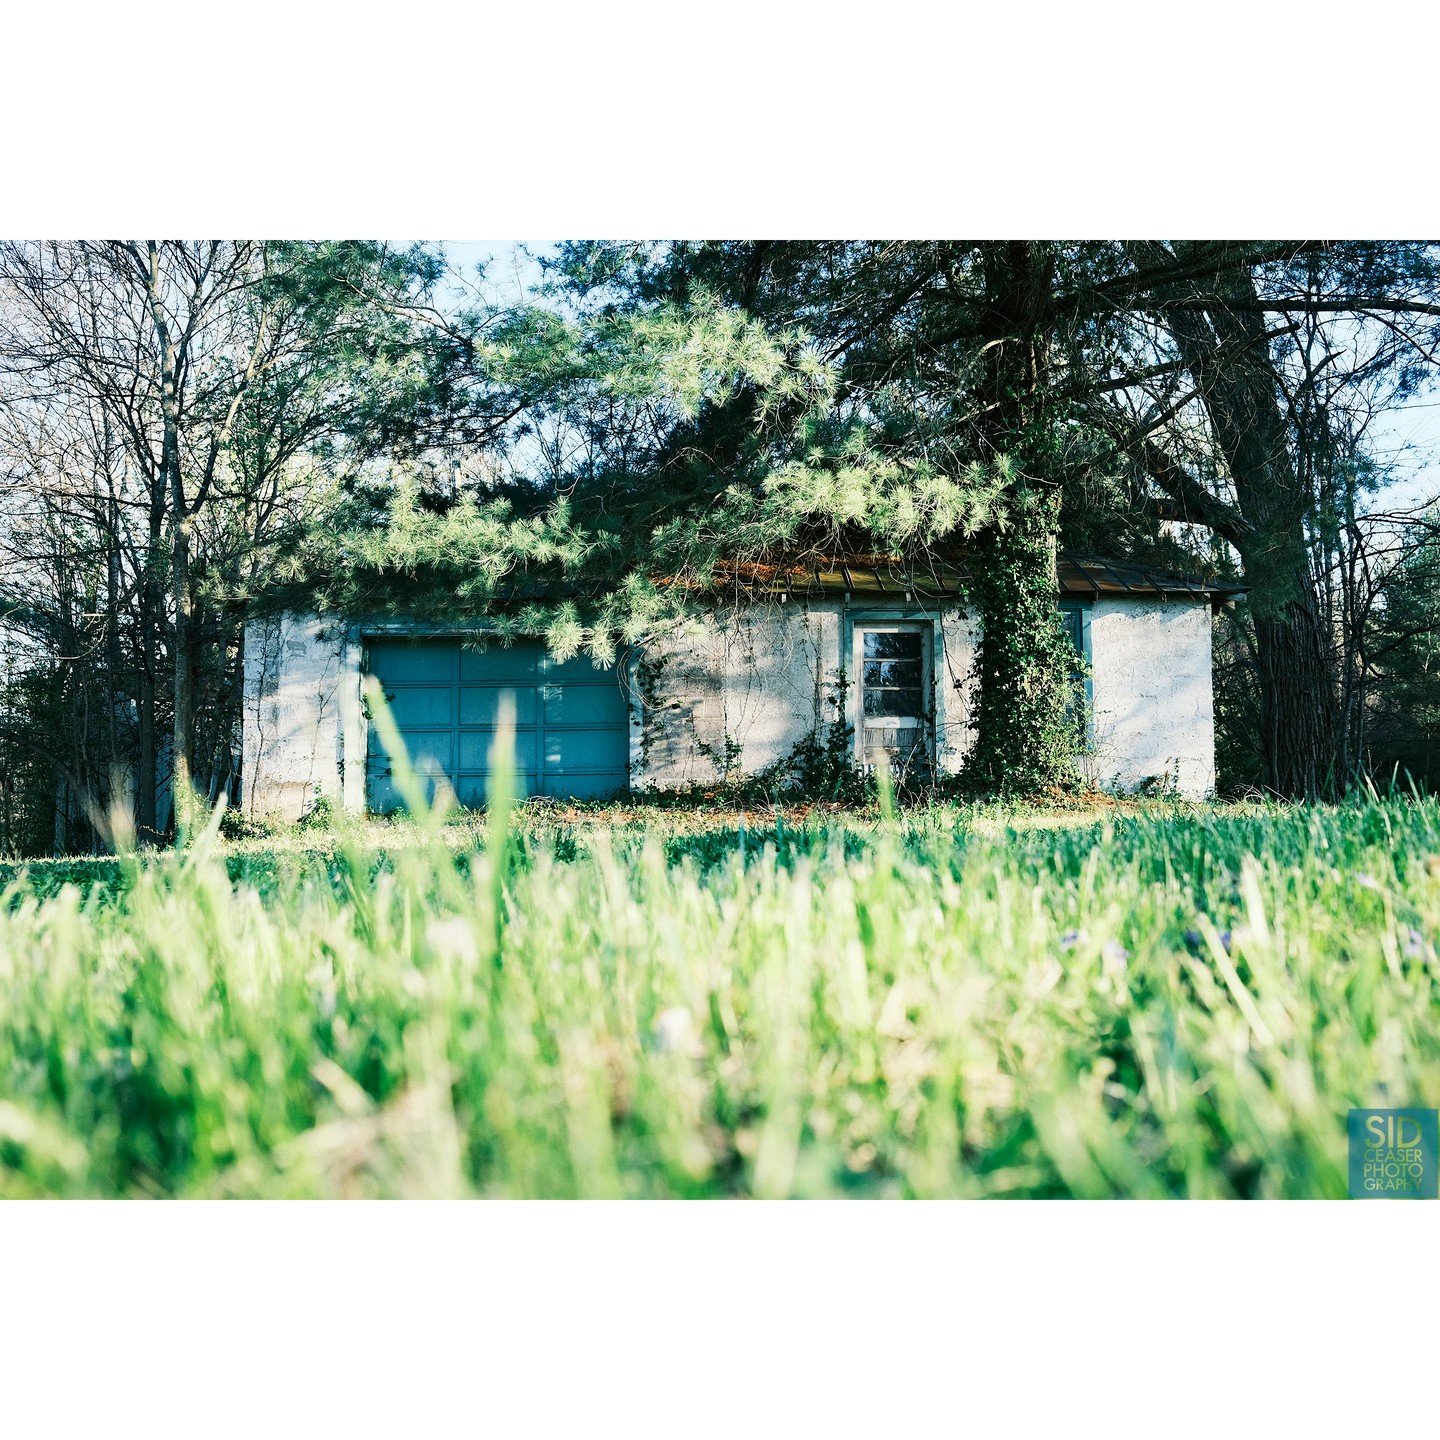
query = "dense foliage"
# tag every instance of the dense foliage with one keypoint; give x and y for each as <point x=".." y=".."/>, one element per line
<point x="174" y="421"/>
<point x="1405" y="647"/>
<point x="194" y="432"/>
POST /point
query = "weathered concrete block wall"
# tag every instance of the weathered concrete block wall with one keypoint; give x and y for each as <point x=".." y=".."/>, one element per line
<point x="300" y="673"/>
<point x="678" y="719"/>
<point x="1154" y="717"/>
<point x="782" y="677"/>
<point x="744" y="686"/>
<point x="738" y="689"/>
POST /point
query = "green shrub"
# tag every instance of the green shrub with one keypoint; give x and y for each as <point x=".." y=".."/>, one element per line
<point x="320" y="816"/>
<point x="237" y="825"/>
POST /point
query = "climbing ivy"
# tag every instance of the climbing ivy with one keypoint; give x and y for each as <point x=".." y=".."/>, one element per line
<point x="1027" y="741"/>
<point x="820" y="766"/>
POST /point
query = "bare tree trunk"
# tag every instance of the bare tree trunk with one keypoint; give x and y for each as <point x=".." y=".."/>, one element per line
<point x="1297" y="697"/>
<point x="152" y="613"/>
<point x="62" y="816"/>
<point x="182" y="787"/>
<point x="174" y="482"/>
<point x="146" y="757"/>
<point x="1226" y="350"/>
<point x="112" y="612"/>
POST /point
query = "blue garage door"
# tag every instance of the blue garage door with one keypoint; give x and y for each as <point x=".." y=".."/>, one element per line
<point x="572" y="731"/>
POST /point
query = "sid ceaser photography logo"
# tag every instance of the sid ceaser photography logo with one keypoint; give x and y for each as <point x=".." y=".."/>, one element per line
<point x="1393" y="1154"/>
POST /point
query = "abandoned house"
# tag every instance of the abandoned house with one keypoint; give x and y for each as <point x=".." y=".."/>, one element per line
<point x="881" y="656"/>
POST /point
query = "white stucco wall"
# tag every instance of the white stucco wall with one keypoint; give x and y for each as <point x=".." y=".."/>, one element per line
<point x="957" y="637"/>
<point x="749" y="683"/>
<point x="1153" y="716"/>
<point x="300" y="716"/>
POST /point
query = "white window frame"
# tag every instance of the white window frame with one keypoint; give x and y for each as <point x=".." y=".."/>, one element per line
<point x="925" y="629"/>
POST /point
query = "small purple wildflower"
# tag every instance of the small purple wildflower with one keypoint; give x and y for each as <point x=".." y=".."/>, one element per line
<point x="1113" y="956"/>
<point x="1195" y="941"/>
<point x="1414" y="943"/>
<point x="1071" y="938"/>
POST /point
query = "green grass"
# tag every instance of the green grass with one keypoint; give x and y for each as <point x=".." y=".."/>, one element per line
<point x="961" y="1002"/>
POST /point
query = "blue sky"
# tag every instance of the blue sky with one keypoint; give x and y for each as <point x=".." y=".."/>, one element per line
<point x="1408" y="438"/>
<point x="510" y="271"/>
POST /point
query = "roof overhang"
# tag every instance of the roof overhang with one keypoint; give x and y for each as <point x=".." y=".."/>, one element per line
<point x="876" y="578"/>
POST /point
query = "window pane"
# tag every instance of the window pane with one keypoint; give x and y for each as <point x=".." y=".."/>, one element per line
<point x="901" y="743"/>
<point x="892" y="672"/>
<point x="904" y="703"/>
<point x="1074" y="622"/>
<point x="892" y="645"/>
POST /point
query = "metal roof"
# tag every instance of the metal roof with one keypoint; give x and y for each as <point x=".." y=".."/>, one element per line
<point x="874" y="576"/>
<point x="879" y="577"/>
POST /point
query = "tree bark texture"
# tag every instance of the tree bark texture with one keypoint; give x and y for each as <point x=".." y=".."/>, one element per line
<point x="1226" y="349"/>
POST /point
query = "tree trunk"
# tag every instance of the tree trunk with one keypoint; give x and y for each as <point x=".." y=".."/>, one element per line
<point x="1294" y="648"/>
<point x="1297" y="697"/>
<point x="146" y="757"/>
<point x="182" y="787"/>
<point x="1227" y="351"/>
<point x="62" y="816"/>
<point x="181" y="790"/>
<point x="1026" y="739"/>
<point x="152" y="612"/>
<point x="1027" y="736"/>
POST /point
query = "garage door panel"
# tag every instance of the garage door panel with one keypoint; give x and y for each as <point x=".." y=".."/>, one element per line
<point x="475" y="749"/>
<point x="426" y="749"/>
<point x="421" y="707"/>
<point x="578" y="667"/>
<point x="472" y="790"/>
<point x="382" y="795"/>
<point x="481" y="705"/>
<point x="578" y="750"/>
<point x="599" y="786"/>
<point x="412" y="662"/>
<point x="602" y="704"/>
<point x="572" y="732"/>
<point x="498" y="662"/>
<point x="385" y="796"/>
<point x="430" y="752"/>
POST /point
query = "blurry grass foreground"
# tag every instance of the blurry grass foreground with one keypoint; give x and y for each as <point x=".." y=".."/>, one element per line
<point x="944" y="1003"/>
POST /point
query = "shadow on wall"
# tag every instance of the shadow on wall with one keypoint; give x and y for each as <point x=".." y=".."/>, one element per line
<point x="737" y="696"/>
